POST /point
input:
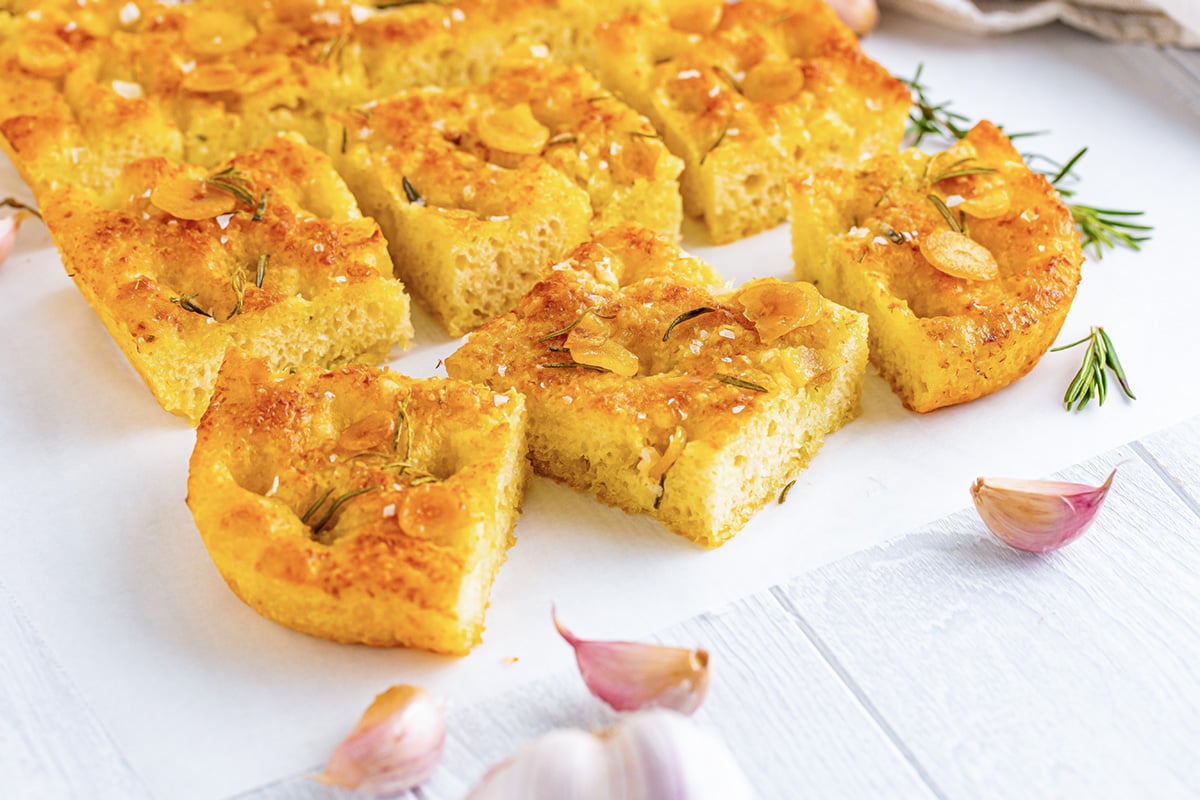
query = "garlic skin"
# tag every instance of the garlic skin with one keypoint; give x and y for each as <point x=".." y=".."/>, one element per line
<point x="632" y="675"/>
<point x="651" y="755"/>
<point x="394" y="747"/>
<point x="8" y="233"/>
<point x="1037" y="516"/>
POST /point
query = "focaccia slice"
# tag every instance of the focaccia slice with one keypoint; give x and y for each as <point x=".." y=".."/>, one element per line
<point x="966" y="262"/>
<point x="659" y="391"/>
<point x="749" y="93"/>
<point x="359" y="505"/>
<point x="269" y="254"/>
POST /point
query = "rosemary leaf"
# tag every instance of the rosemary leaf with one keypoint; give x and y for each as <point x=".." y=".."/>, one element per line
<point x="188" y="303"/>
<point x="260" y="271"/>
<point x="410" y="192"/>
<point x="338" y="503"/>
<point x="231" y="180"/>
<point x="261" y="208"/>
<point x="717" y="143"/>
<point x="944" y="210"/>
<point x="685" y="316"/>
<point x="733" y="380"/>
<point x="958" y="173"/>
<point x="570" y="327"/>
<point x="562" y="138"/>
<point x="783" y="495"/>
<point x="571" y="365"/>
<point x="893" y="235"/>
<point x="313" y="508"/>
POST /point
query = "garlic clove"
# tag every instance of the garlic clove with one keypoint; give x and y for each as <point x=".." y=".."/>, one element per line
<point x="632" y="675"/>
<point x="1037" y="516"/>
<point x="8" y="233"/>
<point x="394" y="747"/>
<point x="652" y="754"/>
<point x="860" y="16"/>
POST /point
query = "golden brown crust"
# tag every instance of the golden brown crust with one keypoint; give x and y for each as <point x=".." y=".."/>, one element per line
<point x="408" y="561"/>
<point x="937" y="338"/>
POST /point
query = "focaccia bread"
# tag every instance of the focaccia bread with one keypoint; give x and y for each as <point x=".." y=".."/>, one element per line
<point x="966" y="262"/>
<point x="269" y="254"/>
<point x="749" y="93"/>
<point x="478" y="190"/>
<point x="71" y="111"/>
<point x="359" y="505"/>
<point x="659" y="391"/>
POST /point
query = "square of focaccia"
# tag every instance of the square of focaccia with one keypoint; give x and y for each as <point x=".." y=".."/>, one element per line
<point x="359" y="505"/>
<point x="270" y="254"/>
<point x="748" y="95"/>
<point x="966" y="262"/>
<point x="71" y="111"/>
<point x="468" y="236"/>
<point x="659" y="391"/>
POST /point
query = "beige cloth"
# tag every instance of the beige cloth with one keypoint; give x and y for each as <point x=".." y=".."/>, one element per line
<point x="1165" y="22"/>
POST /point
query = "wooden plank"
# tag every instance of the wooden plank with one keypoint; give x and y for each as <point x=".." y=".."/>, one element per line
<point x="1006" y="674"/>
<point x="1175" y="455"/>
<point x="51" y="745"/>
<point x="786" y="716"/>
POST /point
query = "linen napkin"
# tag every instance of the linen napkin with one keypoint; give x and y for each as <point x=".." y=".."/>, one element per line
<point x="1163" y="22"/>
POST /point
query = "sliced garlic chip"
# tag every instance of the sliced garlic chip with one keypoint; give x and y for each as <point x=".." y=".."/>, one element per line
<point x="513" y="130"/>
<point x="959" y="256"/>
<point x="778" y="307"/>
<point x="773" y="82"/>
<point x="186" y="197"/>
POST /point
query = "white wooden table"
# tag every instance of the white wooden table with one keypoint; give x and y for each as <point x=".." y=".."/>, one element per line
<point x="939" y="664"/>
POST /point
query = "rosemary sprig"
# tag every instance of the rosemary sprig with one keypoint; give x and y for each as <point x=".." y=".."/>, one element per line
<point x="928" y="118"/>
<point x="188" y="303"/>
<point x="237" y="184"/>
<point x="571" y="326"/>
<point x="12" y="202"/>
<point x="337" y="504"/>
<point x="1092" y="379"/>
<point x="685" y="316"/>
<point x="733" y="380"/>
<point x="1098" y="227"/>
<point x="1107" y="227"/>
<point x="410" y="191"/>
<point x="260" y="271"/>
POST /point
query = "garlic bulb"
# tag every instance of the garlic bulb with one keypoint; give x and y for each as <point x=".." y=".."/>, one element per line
<point x="633" y="675"/>
<point x="1037" y="516"/>
<point x="395" y="745"/>
<point x="651" y="755"/>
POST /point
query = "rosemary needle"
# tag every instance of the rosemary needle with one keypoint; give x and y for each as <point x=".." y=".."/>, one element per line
<point x="733" y="380"/>
<point x="685" y="316"/>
